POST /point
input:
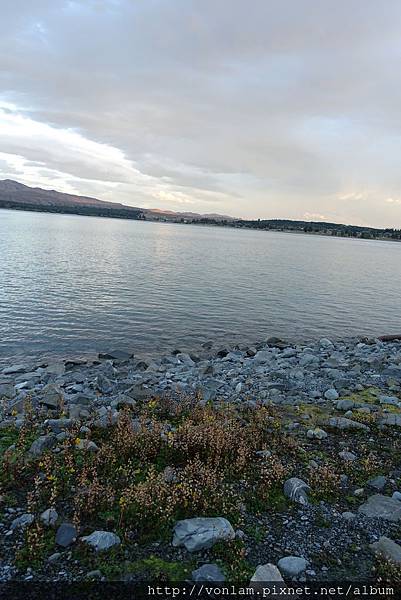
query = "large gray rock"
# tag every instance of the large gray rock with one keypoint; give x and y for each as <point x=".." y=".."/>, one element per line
<point x="66" y="535"/>
<point x="388" y="549"/>
<point x="14" y="369"/>
<point x="382" y="507"/>
<point x="7" y="390"/>
<point x="52" y="397"/>
<point x="292" y="566"/>
<point x="345" y="424"/>
<point x="317" y="434"/>
<point x="202" y="532"/>
<point x="208" y="573"/>
<point x="103" y="384"/>
<point x="102" y="540"/>
<point x="331" y="394"/>
<point x="22" y="521"/>
<point x="378" y="483"/>
<point x="42" y="443"/>
<point x="296" y="490"/>
<point x="391" y="420"/>
<point x="49" y="517"/>
<point x="267" y="573"/>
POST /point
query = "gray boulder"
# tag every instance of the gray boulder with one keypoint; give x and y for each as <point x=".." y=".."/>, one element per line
<point x="202" y="532"/>
<point x="331" y="394"/>
<point x="378" y="483"/>
<point x="52" y="397"/>
<point x="42" y="443"/>
<point x="292" y="566"/>
<point x="317" y="433"/>
<point x="209" y="572"/>
<point x="296" y="490"/>
<point x="49" y="517"/>
<point x="388" y="549"/>
<point x="102" y="540"/>
<point x="391" y="420"/>
<point x="22" y="521"/>
<point x="344" y="424"/>
<point x="267" y="573"/>
<point x="66" y="535"/>
<point x="381" y="507"/>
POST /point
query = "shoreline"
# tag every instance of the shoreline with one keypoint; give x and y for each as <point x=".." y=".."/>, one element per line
<point x="221" y="433"/>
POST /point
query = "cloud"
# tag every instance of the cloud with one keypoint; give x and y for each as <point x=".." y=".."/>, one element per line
<point x="273" y="112"/>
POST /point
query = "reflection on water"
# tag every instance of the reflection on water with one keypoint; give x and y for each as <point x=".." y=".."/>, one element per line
<point x="70" y="284"/>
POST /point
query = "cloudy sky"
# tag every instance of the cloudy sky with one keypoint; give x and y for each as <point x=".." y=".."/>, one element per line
<point x="269" y="108"/>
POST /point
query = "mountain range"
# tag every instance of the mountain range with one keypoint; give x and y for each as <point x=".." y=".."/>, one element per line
<point x="19" y="196"/>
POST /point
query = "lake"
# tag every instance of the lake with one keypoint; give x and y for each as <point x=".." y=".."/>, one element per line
<point x="71" y="285"/>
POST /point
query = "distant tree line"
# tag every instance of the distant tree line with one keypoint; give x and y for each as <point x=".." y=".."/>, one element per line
<point x="90" y="211"/>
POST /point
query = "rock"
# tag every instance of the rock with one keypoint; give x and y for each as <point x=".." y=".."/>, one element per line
<point x="49" y="517"/>
<point x="345" y="404"/>
<point x="391" y="419"/>
<point x="44" y="442"/>
<point x="22" y="521"/>
<point x="7" y="390"/>
<point x="381" y="507"/>
<point x="296" y="490"/>
<point x="56" y="369"/>
<point x="331" y="394"/>
<point x="378" y="483"/>
<point x="102" y="540"/>
<point x="317" y="433"/>
<point x="96" y="574"/>
<point x="14" y="369"/>
<point x="54" y="557"/>
<point x="292" y="566"/>
<point x="209" y="572"/>
<point x="52" y="397"/>
<point x="348" y="516"/>
<point x="396" y="496"/>
<point x="267" y="573"/>
<point x="202" y="532"/>
<point x="345" y="424"/>
<point x="86" y="446"/>
<point x="392" y="400"/>
<point x="103" y="384"/>
<point x="347" y="456"/>
<point x="388" y="549"/>
<point x="117" y="355"/>
<point x="326" y="343"/>
<point x="66" y="535"/>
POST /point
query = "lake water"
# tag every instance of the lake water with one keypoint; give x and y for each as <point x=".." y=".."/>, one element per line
<point x="71" y="284"/>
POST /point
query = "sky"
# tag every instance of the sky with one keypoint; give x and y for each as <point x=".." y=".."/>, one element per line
<point x="262" y="109"/>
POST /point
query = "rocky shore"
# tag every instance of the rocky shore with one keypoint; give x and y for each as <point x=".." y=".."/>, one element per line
<point x="279" y="460"/>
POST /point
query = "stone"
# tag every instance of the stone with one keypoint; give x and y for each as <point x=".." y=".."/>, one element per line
<point x="296" y="490"/>
<point x="52" y="397"/>
<point x="292" y="566"/>
<point x="343" y="424"/>
<point x="388" y="549"/>
<point x="331" y="394"/>
<point x="381" y="507"/>
<point x="41" y="444"/>
<point x="378" y="483"/>
<point x="317" y="433"/>
<point x="266" y="574"/>
<point x="209" y="572"/>
<point x="7" y="390"/>
<point x="49" y="517"/>
<point x="22" y="521"/>
<point x="202" y="532"/>
<point x="117" y="355"/>
<point x="397" y="496"/>
<point x="102" y="540"/>
<point x="103" y="384"/>
<point x="326" y="343"/>
<point x="86" y="446"/>
<point x="345" y="404"/>
<point x="347" y="456"/>
<point x="391" y="420"/>
<point x="14" y="369"/>
<point x="66" y="535"/>
<point x="391" y="400"/>
<point x="348" y="515"/>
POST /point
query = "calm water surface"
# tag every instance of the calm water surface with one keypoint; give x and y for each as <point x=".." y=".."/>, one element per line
<point x="71" y="284"/>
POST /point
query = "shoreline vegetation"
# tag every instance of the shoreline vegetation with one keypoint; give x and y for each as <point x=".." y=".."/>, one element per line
<point x="282" y="225"/>
<point x="17" y="196"/>
<point x="266" y="462"/>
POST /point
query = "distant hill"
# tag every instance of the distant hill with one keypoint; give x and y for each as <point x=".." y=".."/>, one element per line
<point x="18" y="196"/>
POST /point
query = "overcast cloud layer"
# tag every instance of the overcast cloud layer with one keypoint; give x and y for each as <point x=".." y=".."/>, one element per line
<point x="269" y="108"/>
